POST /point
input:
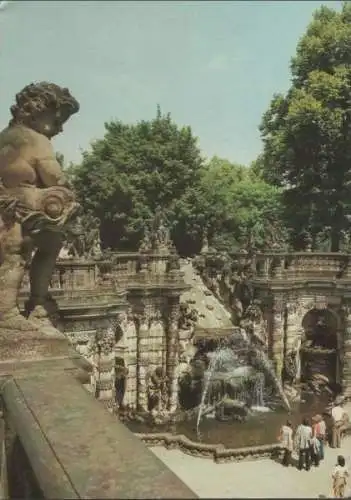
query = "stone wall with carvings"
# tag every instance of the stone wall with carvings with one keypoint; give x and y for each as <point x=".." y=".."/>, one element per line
<point x="150" y="341"/>
<point x="289" y="286"/>
<point x="137" y="296"/>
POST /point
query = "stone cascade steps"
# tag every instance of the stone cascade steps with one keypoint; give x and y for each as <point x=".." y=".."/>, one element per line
<point x="212" y="313"/>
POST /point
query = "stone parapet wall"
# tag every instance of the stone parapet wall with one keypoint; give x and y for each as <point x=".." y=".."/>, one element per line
<point x="86" y="454"/>
<point x="302" y="265"/>
<point x="217" y="452"/>
<point x="125" y="270"/>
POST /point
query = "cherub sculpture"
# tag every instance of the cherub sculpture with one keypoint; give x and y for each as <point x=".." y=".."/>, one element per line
<point x="36" y="202"/>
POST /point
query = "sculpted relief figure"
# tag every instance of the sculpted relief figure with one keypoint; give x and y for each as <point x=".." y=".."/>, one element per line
<point x="36" y="202"/>
<point x="146" y="244"/>
<point x="157" y="390"/>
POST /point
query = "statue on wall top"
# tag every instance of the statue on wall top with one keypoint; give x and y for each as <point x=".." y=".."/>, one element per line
<point x="85" y="237"/>
<point x="65" y="252"/>
<point x="146" y="244"/>
<point x="156" y="235"/>
<point x="36" y="202"/>
<point x="160" y="234"/>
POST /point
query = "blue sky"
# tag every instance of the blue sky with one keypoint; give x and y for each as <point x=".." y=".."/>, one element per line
<point x="214" y="65"/>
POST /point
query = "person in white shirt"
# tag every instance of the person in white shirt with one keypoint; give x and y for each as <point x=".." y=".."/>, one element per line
<point x="339" y="476"/>
<point x="286" y="439"/>
<point x="303" y="442"/>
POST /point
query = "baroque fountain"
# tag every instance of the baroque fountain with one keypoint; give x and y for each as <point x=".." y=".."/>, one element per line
<point x="192" y="353"/>
<point x="206" y="353"/>
<point x="227" y="386"/>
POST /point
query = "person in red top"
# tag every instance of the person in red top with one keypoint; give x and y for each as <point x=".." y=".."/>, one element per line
<point x="319" y="431"/>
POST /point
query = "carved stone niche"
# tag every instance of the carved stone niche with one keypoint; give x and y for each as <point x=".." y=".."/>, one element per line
<point x="319" y="348"/>
<point x="320" y="328"/>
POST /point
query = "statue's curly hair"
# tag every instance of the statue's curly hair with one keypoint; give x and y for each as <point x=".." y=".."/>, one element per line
<point x="38" y="97"/>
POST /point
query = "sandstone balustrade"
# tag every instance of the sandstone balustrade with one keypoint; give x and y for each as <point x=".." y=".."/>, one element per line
<point x="57" y="441"/>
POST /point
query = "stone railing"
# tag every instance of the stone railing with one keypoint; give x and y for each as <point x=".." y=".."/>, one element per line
<point x="292" y="266"/>
<point x="135" y="270"/>
<point x="125" y="270"/>
<point x="217" y="452"/>
<point x="307" y="265"/>
<point x="57" y="441"/>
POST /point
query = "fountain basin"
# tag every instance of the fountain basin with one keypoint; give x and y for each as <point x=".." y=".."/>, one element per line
<point x="230" y="440"/>
<point x="218" y="453"/>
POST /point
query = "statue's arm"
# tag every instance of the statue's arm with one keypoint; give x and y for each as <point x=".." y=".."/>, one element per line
<point x="48" y="169"/>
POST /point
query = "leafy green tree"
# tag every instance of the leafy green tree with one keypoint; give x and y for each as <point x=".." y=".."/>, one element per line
<point x="307" y="133"/>
<point x="238" y="206"/>
<point x="132" y="170"/>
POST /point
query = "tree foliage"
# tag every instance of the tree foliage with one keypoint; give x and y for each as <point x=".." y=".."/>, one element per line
<point x="307" y="133"/>
<point x="240" y="208"/>
<point x="132" y="170"/>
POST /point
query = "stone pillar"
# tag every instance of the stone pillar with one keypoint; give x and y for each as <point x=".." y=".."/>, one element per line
<point x="277" y="341"/>
<point x="143" y="267"/>
<point x="131" y="336"/>
<point x="103" y="359"/>
<point x="156" y="341"/>
<point x="278" y="267"/>
<point x="293" y="328"/>
<point x="172" y="352"/>
<point x="346" y="367"/>
<point x="142" y="361"/>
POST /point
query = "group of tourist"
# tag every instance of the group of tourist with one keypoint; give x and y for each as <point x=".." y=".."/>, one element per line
<point x="309" y="440"/>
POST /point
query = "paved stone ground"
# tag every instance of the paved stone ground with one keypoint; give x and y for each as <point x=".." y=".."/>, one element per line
<point x="253" y="479"/>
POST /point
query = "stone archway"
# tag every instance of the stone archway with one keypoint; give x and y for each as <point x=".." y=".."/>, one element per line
<point x="320" y="347"/>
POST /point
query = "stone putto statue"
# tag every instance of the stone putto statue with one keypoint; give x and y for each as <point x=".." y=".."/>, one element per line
<point x="36" y="202"/>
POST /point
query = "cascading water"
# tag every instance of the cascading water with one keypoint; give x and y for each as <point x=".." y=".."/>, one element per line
<point x="247" y="381"/>
<point x="258" y="400"/>
<point x="261" y="362"/>
<point x="225" y="361"/>
<point x="211" y="369"/>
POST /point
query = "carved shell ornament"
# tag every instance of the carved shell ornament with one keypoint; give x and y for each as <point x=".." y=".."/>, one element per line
<point x="53" y="207"/>
<point x="58" y="203"/>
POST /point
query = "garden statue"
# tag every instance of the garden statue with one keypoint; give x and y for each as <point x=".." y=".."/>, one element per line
<point x="36" y="203"/>
<point x="146" y="244"/>
<point x="160" y="234"/>
<point x="65" y="252"/>
<point x="77" y="239"/>
<point x="290" y="368"/>
<point x="157" y="390"/>
<point x="85" y="237"/>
